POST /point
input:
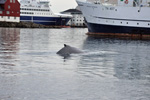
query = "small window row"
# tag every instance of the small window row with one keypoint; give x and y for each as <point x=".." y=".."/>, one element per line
<point x="76" y="20"/>
<point x="128" y="23"/>
<point x="8" y="17"/>
<point x="35" y="9"/>
<point x="26" y="13"/>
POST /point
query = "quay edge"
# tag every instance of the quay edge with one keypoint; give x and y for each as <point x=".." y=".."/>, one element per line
<point x="120" y="35"/>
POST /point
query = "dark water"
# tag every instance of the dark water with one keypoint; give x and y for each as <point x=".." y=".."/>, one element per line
<point x="109" y="69"/>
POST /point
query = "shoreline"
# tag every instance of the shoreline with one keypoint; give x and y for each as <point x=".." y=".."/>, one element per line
<point x="25" y="25"/>
<point x="32" y="25"/>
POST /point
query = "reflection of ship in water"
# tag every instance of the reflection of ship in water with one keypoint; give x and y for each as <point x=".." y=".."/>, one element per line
<point x="9" y="45"/>
<point x="105" y="60"/>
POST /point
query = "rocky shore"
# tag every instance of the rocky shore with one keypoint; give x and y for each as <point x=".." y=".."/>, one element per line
<point x="25" y="25"/>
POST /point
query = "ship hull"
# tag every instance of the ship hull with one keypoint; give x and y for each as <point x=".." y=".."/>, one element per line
<point x="116" y="19"/>
<point x="58" y="21"/>
<point x="101" y="28"/>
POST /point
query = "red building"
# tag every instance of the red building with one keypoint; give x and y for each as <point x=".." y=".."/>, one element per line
<point x="9" y="10"/>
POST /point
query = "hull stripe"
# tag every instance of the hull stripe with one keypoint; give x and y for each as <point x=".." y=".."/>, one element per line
<point x="45" y="20"/>
<point x="121" y="19"/>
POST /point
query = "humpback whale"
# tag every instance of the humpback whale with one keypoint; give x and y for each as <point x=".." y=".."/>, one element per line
<point x="67" y="50"/>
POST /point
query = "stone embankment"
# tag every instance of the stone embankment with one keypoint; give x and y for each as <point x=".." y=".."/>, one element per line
<point x="25" y="25"/>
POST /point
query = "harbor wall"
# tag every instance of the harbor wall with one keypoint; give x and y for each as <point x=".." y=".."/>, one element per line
<point x="25" y="25"/>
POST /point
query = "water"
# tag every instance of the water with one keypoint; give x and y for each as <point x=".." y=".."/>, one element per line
<point x="109" y="69"/>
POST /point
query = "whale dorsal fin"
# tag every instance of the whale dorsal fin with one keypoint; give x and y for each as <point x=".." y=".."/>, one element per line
<point x="65" y="45"/>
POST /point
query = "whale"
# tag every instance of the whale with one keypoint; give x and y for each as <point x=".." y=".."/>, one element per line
<point x="67" y="50"/>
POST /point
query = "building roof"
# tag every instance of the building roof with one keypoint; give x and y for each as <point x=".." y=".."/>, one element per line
<point x="72" y="11"/>
<point x="2" y="1"/>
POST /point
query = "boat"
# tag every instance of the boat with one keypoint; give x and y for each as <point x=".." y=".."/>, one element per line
<point x="126" y="17"/>
<point x="39" y="12"/>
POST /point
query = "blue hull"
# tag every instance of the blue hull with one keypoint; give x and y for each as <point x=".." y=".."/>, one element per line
<point x="57" y="21"/>
<point x="100" y="28"/>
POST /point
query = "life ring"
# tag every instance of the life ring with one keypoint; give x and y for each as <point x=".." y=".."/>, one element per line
<point x="126" y="1"/>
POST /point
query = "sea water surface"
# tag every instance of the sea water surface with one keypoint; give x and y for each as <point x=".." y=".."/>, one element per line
<point x="109" y="68"/>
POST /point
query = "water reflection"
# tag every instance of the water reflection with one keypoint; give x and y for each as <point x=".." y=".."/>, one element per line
<point x="31" y="69"/>
<point x="9" y="39"/>
<point x="115" y="58"/>
<point x="9" y="47"/>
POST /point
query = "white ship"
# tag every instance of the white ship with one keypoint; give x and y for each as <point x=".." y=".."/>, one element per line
<point x="126" y="16"/>
<point x="38" y="11"/>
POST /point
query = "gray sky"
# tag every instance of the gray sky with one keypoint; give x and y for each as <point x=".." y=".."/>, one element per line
<point x="61" y="5"/>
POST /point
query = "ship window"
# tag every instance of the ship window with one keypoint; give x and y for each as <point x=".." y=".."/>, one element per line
<point x="13" y="1"/>
<point x="1" y="16"/>
<point x="115" y="9"/>
<point x="148" y="24"/>
<point x="137" y="23"/>
<point x="8" y="17"/>
<point x="10" y="1"/>
<point x="1" y="12"/>
<point x="121" y="22"/>
<point x="14" y="17"/>
<point x="127" y="22"/>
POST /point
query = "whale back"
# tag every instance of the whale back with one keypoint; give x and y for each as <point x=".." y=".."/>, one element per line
<point x="67" y="50"/>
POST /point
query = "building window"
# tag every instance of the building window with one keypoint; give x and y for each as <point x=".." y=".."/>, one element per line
<point x="10" y="1"/>
<point x="7" y="12"/>
<point x="8" y="6"/>
<point x="13" y="1"/>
